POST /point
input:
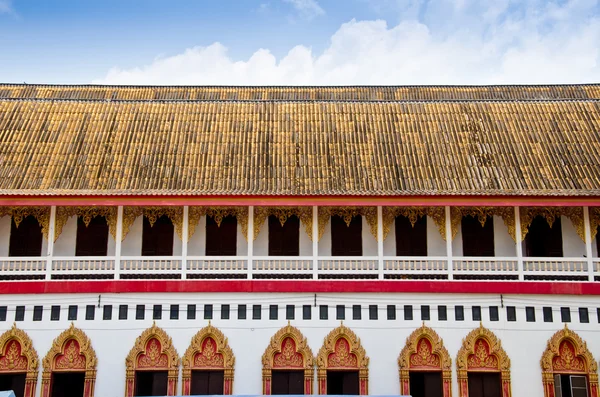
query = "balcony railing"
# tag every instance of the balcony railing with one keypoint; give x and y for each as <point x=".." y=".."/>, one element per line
<point x="301" y="267"/>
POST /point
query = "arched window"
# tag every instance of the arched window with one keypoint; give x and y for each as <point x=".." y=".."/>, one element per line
<point x="425" y="366"/>
<point x="343" y="365"/>
<point x="70" y="366"/>
<point x="288" y="366"/>
<point x="208" y="364"/>
<point x="18" y="363"/>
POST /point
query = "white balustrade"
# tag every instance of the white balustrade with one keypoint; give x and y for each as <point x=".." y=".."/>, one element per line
<point x="550" y="268"/>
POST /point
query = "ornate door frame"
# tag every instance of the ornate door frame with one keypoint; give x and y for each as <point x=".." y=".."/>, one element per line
<point x="71" y="351"/>
<point x="18" y="356"/>
<point x="287" y="350"/>
<point x="342" y="350"/>
<point x="425" y="351"/>
<point x="567" y="353"/>
<point x="153" y="351"/>
<point x="208" y="350"/>
<point x="481" y="351"/>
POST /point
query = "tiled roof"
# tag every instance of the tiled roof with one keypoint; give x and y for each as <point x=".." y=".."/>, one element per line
<point x="446" y="146"/>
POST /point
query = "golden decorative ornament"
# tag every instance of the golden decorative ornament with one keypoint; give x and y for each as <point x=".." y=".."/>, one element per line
<point x="482" y="214"/>
<point x="347" y="213"/>
<point x="42" y="214"/>
<point x="217" y="213"/>
<point x="575" y="214"/>
<point x="437" y="214"/>
<point x="87" y="214"/>
<point x="283" y="213"/>
<point x="17" y="353"/>
<point x="216" y="353"/>
<point x="566" y="352"/>
<point x="175" y="214"/>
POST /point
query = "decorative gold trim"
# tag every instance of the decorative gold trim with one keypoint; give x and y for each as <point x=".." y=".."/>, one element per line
<point x="347" y="213"/>
<point x="482" y="213"/>
<point x="438" y="215"/>
<point x="575" y="214"/>
<point x="166" y="344"/>
<point x="42" y="214"/>
<point x="275" y="347"/>
<point x="175" y="214"/>
<point x="495" y="349"/>
<point x="85" y="349"/>
<point x="217" y="213"/>
<point x="594" y="221"/>
<point x="196" y="347"/>
<point x="581" y="350"/>
<point x="87" y="213"/>
<point x="437" y="348"/>
<point x="355" y="348"/>
<point x="283" y="213"/>
<point x="27" y="350"/>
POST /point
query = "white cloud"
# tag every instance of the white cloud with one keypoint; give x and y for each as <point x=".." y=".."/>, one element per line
<point x="307" y="8"/>
<point x="537" y="43"/>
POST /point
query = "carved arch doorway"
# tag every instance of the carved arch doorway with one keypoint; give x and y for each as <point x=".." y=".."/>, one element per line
<point x="482" y="363"/>
<point x="70" y="363"/>
<point x="567" y="359"/>
<point x="18" y="363"/>
<point x="209" y="356"/>
<point x="424" y="354"/>
<point x="288" y="358"/>
<point x="342" y="355"/>
<point x="152" y="365"/>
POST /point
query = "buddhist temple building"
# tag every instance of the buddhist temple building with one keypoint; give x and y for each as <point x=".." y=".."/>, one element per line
<point x="432" y="241"/>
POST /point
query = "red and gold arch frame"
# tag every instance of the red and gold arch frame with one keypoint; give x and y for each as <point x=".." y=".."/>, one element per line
<point x="288" y="350"/>
<point x="71" y="351"/>
<point x="425" y="351"/>
<point x="342" y="350"/>
<point x="153" y="351"/>
<point x="17" y="356"/>
<point x="481" y="351"/>
<point x="567" y="353"/>
<point x="209" y="350"/>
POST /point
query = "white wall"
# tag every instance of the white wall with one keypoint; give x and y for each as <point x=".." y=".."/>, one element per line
<point x="382" y="339"/>
<point x="573" y="245"/>
<point x="5" y="235"/>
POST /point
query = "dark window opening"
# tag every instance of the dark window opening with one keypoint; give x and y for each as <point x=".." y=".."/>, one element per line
<point x="242" y="312"/>
<point x="411" y="240"/>
<point x="67" y="384"/>
<point x="3" y="313"/>
<point x="273" y="312"/>
<point x="306" y="312"/>
<point x="477" y="240"/>
<point x="90" y="312"/>
<point x="340" y="312"/>
<point x="123" y="312"/>
<point x="494" y="315"/>
<point x="484" y="384"/>
<point x="323" y="309"/>
<point x="72" y="313"/>
<point x="425" y="384"/>
<point x="37" y="315"/>
<point x="107" y="312"/>
<point x="287" y="382"/>
<point x="476" y="312"/>
<point x="14" y="382"/>
<point x="157" y="240"/>
<point x="408" y="312"/>
<point x="157" y="312"/>
<point x="208" y="312"/>
<point x="207" y="383"/>
<point x="151" y="383"/>
<point x="225" y="312"/>
<point x="542" y="240"/>
<point x="55" y="313"/>
<point x="174" y="312"/>
<point x="459" y="313"/>
<point x="284" y="240"/>
<point x="342" y="383"/>
<point x="373" y="312"/>
<point x="221" y="240"/>
<point x="530" y="314"/>
<point x="356" y="312"/>
<point x="290" y="312"/>
<point x="20" y="313"/>
<point x="191" y="312"/>
<point x="425" y="312"/>
<point x="442" y="313"/>
<point x="584" y="316"/>
<point x="565" y="314"/>
<point x="92" y="240"/>
<point x="256" y="312"/>
<point x="391" y="312"/>
<point x="548" y="318"/>
<point x="25" y="240"/>
<point x="140" y="312"/>
<point x="511" y="313"/>
<point x="570" y="386"/>
<point x="346" y="240"/>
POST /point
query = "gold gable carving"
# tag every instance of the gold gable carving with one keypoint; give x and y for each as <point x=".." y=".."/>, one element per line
<point x="283" y="213"/>
<point x="217" y="213"/>
<point x="175" y="214"/>
<point x="347" y="213"/>
<point x="413" y="214"/>
<point x="575" y="214"/>
<point x="42" y="214"/>
<point x="581" y="351"/>
<point x="482" y="213"/>
<point x="87" y="213"/>
<point x="27" y="349"/>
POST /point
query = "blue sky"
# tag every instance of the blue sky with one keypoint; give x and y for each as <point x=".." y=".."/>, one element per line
<point x="299" y="41"/>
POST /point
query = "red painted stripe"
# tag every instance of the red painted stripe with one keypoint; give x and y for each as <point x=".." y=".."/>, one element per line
<point x="296" y="286"/>
<point x="498" y="201"/>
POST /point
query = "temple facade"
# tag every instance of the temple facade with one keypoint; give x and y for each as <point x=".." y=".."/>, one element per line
<point x="423" y="241"/>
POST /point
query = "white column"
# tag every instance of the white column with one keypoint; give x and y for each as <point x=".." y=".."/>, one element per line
<point x="315" y="242"/>
<point x="250" y="240"/>
<point x="519" y="244"/>
<point x="184" y="241"/>
<point x="588" y="242"/>
<point x="119" y="242"/>
<point x="380" y="241"/>
<point x="50" y="242"/>
<point x="449" y="244"/>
